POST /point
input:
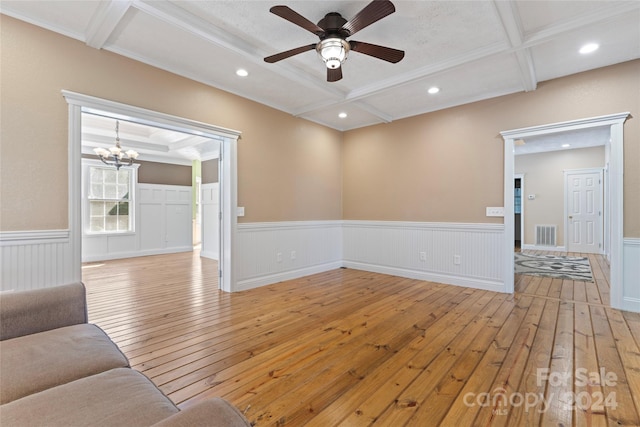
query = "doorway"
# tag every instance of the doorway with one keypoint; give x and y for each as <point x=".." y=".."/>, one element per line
<point x="614" y="124"/>
<point x="79" y="104"/>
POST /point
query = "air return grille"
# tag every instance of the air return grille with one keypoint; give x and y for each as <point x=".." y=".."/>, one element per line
<point x="545" y="235"/>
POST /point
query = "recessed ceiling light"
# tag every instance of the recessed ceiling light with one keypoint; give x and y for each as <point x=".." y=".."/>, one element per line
<point x="588" y="48"/>
<point x="242" y="72"/>
<point x="566" y="145"/>
<point x="433" y="90"/>
<point x="342" y="115"/>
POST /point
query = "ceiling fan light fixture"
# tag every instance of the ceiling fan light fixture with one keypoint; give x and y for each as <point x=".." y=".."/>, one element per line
<point x="333" y="51"/>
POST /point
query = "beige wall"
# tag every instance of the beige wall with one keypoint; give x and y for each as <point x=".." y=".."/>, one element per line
<point x="544" y="177"/>
<point x="442" y="166"/>
<point x="164" y="173"/>
<point x="288" y="168"/>
<point x="210" y="171"/>
<point x="448" y="165"/>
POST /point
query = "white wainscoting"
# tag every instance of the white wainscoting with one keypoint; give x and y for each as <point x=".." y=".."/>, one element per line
<point x="210" y="220"/>
<point x="163" y="225"/>
<point x="631" y="275"/>
<point x="272" y="252"/>
<point x="36" y="259"/>
<point x="395" y="248"/>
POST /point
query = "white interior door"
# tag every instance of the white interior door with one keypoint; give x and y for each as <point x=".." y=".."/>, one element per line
<point x="584" y="210"/>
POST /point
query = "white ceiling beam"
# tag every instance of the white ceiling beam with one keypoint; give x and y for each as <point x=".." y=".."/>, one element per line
<point x="104" y="22"/>
<point x="508" y="15"/>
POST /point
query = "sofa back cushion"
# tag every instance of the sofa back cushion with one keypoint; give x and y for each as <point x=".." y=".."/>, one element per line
<point x="29" y="312"/>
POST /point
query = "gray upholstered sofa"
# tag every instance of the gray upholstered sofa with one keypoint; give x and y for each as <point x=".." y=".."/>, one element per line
<point x="58" y="370"/>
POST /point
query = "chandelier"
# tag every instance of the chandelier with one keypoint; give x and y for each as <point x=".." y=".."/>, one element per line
<point x="115" y="156"/>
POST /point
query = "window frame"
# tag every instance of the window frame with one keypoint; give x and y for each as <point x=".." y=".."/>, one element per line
<point x="87" y="164"/>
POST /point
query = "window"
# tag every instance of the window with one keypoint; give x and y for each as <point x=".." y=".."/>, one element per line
<point x="109" y="199"/>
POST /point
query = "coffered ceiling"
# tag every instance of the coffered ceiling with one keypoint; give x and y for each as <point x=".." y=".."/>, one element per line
<point x="470" y="50"/>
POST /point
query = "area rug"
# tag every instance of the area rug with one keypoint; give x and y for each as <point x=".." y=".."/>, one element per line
<point x="558" y="267"/>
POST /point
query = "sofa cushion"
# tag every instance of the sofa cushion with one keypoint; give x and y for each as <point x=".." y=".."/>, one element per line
<point x="36" y="362"/>
<point x="215" y="412"/>
<point x="119" y="397"/>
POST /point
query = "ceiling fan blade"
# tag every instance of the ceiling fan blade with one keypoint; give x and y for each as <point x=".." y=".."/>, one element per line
<point x="373" y="12"/>
<point x="295" y="18"/>
<point x="334" y="74"/>
<point x="289" y="53"/>
<point x="380" y="52"/>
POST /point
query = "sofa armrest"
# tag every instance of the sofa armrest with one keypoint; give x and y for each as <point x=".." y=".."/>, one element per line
<point x="29" y="312"/>
<point x="214" y="412"/>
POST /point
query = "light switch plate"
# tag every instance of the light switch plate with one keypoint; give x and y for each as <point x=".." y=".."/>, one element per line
<point x="240" y="211"/>
<point x="495" y="211"/>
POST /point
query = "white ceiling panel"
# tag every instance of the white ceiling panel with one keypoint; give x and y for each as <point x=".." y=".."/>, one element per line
<point x="491" y="77"/>
<point x="538" y="15"/>
<point x="68" y="17"/>
<point x="619" y="41"/>
<point x="150" y="40"/>
<point x="356" y="116"/>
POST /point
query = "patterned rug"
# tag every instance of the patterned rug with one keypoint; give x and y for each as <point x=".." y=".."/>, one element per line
<point x="559" y="267"/>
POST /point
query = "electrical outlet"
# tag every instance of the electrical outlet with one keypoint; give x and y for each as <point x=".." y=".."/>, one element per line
<point x="423" y="256"/>
<point x="279" y="256"/>
<point x="456" y="259"/>
<point x="293" y="255"/>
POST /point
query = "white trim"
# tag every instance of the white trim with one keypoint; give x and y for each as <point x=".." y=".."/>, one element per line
<point x="79" y="103"/>
<point x="631" y="273"/>
<point x="544" y="248"/>
<point x="448" y="226"/>
<point x="616" y="123"/>
<point x="268" y="279"/>
<point x="447" y="279"/>
<point x="137" y="253"/>
<point x="290" y="225"/>
<point x="13" y="238"/>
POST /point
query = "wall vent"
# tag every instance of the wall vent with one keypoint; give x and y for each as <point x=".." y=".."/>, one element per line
<point x="545" y="235"/>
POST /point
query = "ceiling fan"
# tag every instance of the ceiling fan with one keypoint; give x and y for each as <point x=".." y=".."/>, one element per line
<point x="333" y="31"/>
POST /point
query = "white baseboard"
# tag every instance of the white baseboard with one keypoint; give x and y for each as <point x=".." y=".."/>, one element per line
<point x="245" y="284"/>
<point x="429" y="276"/>
<point x="132" y="254"/>
<point x="210" y="255"/>
<point x="544" y="248"/>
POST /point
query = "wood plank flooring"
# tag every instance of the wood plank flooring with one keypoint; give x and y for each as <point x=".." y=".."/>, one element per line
<point x="348" y="347"/>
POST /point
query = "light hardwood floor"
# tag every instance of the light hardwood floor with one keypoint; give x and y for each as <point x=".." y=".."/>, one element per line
<point x="348" y="347"/>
